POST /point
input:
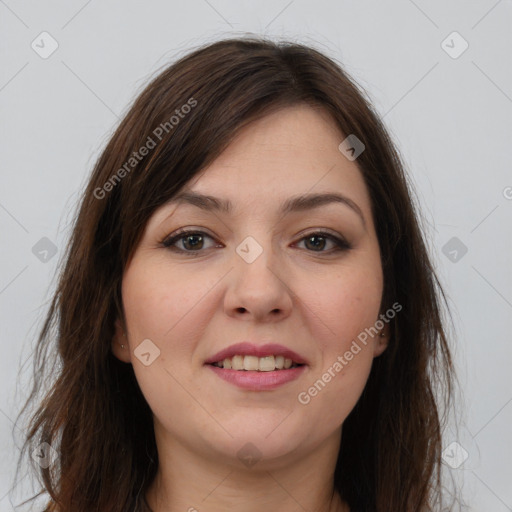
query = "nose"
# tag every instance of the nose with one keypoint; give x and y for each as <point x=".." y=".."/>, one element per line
<point x="258" y="289"/>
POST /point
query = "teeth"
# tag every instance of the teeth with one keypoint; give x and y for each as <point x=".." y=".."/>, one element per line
<point x="251" y="363"/>
<point x="237" y="362"/>
<point x="254" y="363"/>
<point x="267" y="364"/>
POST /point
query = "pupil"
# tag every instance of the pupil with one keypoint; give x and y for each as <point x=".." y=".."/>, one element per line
<point x="188" y="238"/>
<point x="317" y="237"/>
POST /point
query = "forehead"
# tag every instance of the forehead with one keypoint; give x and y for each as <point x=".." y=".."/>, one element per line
<point x="287" y="153"/>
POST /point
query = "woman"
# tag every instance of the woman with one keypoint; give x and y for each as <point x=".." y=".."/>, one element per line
<point x="247" y="317"/>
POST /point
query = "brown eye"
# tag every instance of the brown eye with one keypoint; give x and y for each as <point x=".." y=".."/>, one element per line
<point x="317" y="242"/>
<point x="191" y="241"/>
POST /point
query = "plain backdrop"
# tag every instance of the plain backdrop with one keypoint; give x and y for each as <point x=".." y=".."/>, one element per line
<point x="445" y="97"/>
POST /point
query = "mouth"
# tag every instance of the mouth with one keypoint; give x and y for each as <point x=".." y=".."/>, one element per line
<point x="254" y="363"/>
<point x="257" y="367"/>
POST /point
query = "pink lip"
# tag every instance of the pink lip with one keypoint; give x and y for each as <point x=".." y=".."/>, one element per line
<point x="249" y="349"/>
<point x="258" y="381"/>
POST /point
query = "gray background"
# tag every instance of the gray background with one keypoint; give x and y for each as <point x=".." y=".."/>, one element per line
<point x="451" y="118"/>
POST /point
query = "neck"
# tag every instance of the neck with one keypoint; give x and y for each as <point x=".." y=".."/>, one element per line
<point x="189" y="481"/>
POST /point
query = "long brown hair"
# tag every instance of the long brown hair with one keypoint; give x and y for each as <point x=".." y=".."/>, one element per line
<point x="94" y="414"/>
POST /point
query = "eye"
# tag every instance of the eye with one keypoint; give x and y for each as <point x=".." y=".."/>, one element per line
<point x="192" y="241"/>
<point x="318" y="240"/>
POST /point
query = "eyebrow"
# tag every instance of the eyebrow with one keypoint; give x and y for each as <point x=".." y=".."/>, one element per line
<point x="293" y="204"/>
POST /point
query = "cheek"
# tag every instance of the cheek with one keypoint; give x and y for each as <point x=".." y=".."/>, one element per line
<point x="341" y="309"/>
<point x="341" y="306"/>
<point x="164" y="307"/>
<point x="158" y="302"/>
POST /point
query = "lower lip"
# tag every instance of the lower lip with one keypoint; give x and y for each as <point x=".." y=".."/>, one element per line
<point x="258" y="381"/>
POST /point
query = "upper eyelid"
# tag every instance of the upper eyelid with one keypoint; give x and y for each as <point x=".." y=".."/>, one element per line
<point x="192" y="230"/>
<point x="182" y="232"/>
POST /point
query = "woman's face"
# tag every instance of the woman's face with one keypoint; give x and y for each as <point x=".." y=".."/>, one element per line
<point x="258" y="275"/>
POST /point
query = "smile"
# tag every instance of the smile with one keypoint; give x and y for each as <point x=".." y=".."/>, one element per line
<point x="254" y="363"/>
<point x="257" y="367"/>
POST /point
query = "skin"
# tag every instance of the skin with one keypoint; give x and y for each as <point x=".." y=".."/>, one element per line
<point x="307" y="297"/>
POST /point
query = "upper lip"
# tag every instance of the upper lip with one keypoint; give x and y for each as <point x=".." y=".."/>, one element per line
<point x="247" y="348"/>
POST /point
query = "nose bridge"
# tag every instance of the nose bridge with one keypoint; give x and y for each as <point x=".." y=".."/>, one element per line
<point x="256" y="287"/>
<point x="250" y="250"/>
<point x="257" y="258"/>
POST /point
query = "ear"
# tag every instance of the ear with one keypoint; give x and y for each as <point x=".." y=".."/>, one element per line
<point x="119" y="339"/>
<point x="381" y="341"/>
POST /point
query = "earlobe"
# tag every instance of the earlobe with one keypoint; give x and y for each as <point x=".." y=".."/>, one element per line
<point x="120" y="346"/>
<point x="381" y="342"/>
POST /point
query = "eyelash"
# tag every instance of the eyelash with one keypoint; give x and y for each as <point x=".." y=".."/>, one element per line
<point x="340" y="243"/>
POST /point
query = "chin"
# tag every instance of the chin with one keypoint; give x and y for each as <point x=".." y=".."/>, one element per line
<point x="267" y="441"/>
